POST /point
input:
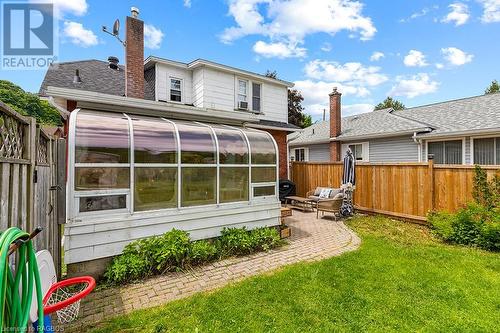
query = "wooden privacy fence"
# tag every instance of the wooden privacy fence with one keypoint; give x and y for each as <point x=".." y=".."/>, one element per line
<point x="408" y="190"/>
<point x="32" y="180"/>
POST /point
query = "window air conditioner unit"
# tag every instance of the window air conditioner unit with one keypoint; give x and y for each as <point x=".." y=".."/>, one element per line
<point x="243" y="105"/>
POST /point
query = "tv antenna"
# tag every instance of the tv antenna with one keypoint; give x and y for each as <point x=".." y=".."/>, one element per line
<point x="116" y="31"/>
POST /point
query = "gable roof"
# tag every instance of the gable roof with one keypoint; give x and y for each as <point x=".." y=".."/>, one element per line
<point x="471" y="114"/>
<point x="457" y="117"/>
<point x="95" y="74"/>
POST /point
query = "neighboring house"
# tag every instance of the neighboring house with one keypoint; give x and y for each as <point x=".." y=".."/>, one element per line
<point x="158" y="144"/>
<point x="462" y="131"/>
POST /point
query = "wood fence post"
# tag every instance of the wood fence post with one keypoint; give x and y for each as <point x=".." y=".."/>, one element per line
<point x="31" y="174"/>
<point x="431" y="181"/>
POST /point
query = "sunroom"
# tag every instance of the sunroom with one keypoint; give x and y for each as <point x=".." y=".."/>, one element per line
<point x="132" y="176"/>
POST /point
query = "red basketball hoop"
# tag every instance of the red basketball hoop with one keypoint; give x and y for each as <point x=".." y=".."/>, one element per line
<point x="64" y="297"/>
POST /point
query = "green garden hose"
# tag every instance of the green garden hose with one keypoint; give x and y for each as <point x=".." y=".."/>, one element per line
<point x="16" y="301"/>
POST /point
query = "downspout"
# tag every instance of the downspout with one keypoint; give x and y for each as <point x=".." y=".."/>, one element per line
<point x="419" y="143"/>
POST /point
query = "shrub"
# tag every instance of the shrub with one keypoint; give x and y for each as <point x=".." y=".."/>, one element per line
<point x="235" y="241"/>
<point x="173" y="251"/>
<point x="202" y="251"/>
<point x="474" y="225"/>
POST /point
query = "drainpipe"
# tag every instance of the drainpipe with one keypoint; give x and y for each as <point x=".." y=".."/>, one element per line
<point x="419" y="143"/>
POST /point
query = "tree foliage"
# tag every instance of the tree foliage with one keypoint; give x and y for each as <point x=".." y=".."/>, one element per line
<point x="494" y="87"/>
<point x="296" y="115"/>
<point x="28" y="104"/>
<point x="390" y="102"/>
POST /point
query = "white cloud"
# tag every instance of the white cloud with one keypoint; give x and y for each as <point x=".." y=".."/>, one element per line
<point x="416" y="85"/>
<point x="459" y="14"/>
<point x="439" y="66"/>
<point x="79" y="35"/>
<point x="290" y="21"/>
<point x="415" y="58"/>
<point x="491" y="11"/>
<point x="352" y="73"/>
<point x="455" y="56"/>
<point x="279" y="50"/>
<point x="316" y="98"/>
<point x="418" y="14"/>
<point x="152" y="36"/>
<point x="376" y="56"/>
<point x="352" y="109"/>
<point x="187" y="3"/>
<point x="62" y="7"/>
<point x="326" y="47"/>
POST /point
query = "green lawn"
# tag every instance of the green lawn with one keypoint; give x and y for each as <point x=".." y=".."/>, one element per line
<point x="401" y="279"/>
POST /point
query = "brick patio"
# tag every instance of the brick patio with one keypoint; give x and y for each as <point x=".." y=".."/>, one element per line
<point x="312" y="239"/>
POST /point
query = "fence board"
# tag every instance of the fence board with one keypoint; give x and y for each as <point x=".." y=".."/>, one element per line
<point x="401" y="189"/>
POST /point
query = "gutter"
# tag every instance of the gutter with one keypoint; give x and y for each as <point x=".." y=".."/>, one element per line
<point x="385" y="135"/>
<point x="276" y="128"/>
<point x="459" y="133"/>
<point x="419" y="147"/>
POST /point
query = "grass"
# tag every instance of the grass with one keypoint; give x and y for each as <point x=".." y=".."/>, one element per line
<point x="401" y="279"/>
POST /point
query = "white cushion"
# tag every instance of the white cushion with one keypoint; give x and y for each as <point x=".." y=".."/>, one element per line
<point x="325" y="193"/>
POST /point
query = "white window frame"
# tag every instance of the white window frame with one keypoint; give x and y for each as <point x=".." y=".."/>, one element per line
<point x="445" y="139"/>
<point x="365" y="148"/>
<point x="247" y="90"/>
<point x="170" y="78"/>
<point x="306" y="153"/>
<point x="472" y="138"/>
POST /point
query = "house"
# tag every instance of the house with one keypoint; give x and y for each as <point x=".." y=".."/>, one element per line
<point x="462" y="131"/>
<point x="158" y="144"/>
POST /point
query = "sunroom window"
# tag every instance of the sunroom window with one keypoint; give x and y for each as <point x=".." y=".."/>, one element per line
<point x="125" y="163"/>
<point x="446" y="152"/>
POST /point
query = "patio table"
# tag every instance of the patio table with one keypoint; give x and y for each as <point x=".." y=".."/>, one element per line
<point x="301" y="203"/>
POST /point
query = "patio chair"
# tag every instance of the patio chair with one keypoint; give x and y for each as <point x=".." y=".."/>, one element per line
<point x="329" y="205"/>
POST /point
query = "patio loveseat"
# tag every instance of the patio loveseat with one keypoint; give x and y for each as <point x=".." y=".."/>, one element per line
<point x="327" y="199"/>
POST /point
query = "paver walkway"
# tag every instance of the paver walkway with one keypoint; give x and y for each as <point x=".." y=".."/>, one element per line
<point x="312" y="239"/>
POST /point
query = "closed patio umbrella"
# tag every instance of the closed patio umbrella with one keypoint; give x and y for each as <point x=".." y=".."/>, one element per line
<point x="348" y="182"/>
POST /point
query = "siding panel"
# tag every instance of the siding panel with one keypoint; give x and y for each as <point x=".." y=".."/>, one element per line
<point x="319" y="153"/>
<point x="399" y="149"/>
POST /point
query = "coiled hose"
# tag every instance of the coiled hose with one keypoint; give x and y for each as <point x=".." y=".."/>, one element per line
<point x="16" y="301"/>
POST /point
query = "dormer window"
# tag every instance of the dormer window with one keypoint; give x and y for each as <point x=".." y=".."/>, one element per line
<point x="175" y="90"/>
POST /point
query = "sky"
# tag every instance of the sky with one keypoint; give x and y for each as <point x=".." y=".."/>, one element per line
<point x="419" y="52"/>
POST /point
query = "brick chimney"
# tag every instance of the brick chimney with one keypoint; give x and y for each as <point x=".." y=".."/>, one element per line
<point x="335" y="124"/>
<point x="134" y="55"/>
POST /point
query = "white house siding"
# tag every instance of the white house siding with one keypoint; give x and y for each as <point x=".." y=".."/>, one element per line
<point x="101" y="237"/>
<point x="164" y="73"/>
<point x="218" y="90"/>
<point x="274" y="102"/>
<point x="319" y="153"/>
<point x="198" y="75"/>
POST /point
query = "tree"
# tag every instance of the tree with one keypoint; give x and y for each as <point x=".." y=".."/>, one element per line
<point x="494" y="87"/>
<point x="389" y="102"/>
<point x="28" y="104"/>
<point x="271" y="74"/>
<point x="296" y="115"/>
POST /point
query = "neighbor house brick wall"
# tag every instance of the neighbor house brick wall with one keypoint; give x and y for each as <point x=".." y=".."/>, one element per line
<point x="335" y="124"/>
<point x="134" y="58"/>
<point x="280" y="138"/>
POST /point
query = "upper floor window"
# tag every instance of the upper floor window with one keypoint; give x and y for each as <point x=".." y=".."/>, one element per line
<point x="256" y="93"/>
<point x="175" y="90"/>
<point x="446" y="152"/>
<point x="242" y="90"/>
<point x="487" y="151"/>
